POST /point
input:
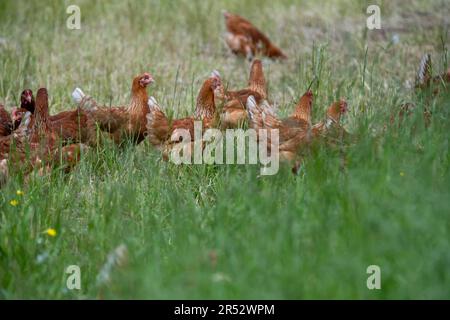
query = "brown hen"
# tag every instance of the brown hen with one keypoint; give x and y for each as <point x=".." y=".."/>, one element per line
<point x="234" y="112"/>
<point x="35" y="143"/>
<point x="294" y="132"/>
<point x="122" y="123"/>
<point x="27" y="104"/>
<point x="244" y="38"/>
<point x="165" y="134"/>
<point x="6" y="124"/>
<point x="332" y="120"/>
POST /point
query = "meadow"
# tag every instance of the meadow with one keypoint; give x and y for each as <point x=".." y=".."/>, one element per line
<point x="224" y="231"/>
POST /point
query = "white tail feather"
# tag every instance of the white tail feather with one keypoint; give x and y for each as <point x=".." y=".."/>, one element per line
<point x="78" y="95"/>
<point x="251" y="102"/>
<point x="152" y="103"/>
<point x="26" y="119"/>
<point x="3" y="171"/>
<point x="23" y="127"/>
<point x="215" y="74"/>
<point x="251" y="106"/>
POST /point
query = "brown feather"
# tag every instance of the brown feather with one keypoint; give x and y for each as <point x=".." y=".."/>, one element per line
<point x="6" y="124"/>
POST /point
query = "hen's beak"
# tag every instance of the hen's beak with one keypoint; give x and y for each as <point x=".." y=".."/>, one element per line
<point x="28" y="98"/>
<point x="147" y="79"/>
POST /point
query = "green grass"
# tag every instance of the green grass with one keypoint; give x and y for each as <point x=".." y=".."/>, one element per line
<point x="281" y="237"/>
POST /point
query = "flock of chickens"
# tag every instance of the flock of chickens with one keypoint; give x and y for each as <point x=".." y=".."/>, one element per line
<point x="30" y="138"/>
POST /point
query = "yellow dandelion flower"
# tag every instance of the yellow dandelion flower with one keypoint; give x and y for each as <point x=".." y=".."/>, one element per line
<point x="51" y="232"/>
<point x="19" y="192"/>
<point x="14" y="202"/>
<point x="402" y="174"/>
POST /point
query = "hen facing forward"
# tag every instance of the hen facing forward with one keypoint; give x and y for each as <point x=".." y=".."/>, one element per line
<point x="27" y="104"/>
<point x="244" y="38"/>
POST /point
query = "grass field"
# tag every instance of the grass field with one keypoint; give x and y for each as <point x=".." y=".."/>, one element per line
<point x="216" y="231"/>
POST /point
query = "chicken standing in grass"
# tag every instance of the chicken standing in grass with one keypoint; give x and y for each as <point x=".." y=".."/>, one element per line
<point x="121" y="123"/>
<point x="234" y="112"/>
<point x="244" y="38"/>
<point x="72" y="126"/>
<point x="41" y="131"/>
<point x="425" y="82"/>
<point x="294" y="131"/>
<point x="45" y="138"/>
<point x="35" y="143"/>
<point x="27" y="104"/>
<point x="165" y="134"/>
<point x="15" y="145"/>
<point x="425" y="78"/>
<point x="331" y="124"/>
